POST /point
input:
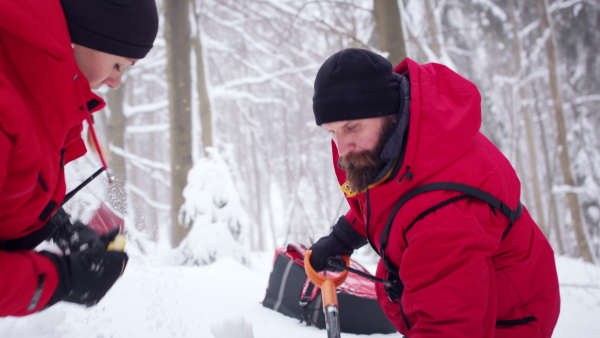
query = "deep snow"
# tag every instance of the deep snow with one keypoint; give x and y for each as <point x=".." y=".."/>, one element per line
<point x="153" y="299"/>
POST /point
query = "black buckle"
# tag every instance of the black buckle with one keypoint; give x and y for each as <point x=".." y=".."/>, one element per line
<point x="395" y="291"/>
<point x="303" y="301"/>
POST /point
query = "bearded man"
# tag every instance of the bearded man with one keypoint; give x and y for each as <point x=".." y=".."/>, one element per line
<point x="435" y="199"/>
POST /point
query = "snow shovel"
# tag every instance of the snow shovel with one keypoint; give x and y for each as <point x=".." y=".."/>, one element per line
<point x="328" y="294"/>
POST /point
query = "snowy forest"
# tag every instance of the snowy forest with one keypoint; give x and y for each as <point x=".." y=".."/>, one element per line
<point x="213" y="132"/>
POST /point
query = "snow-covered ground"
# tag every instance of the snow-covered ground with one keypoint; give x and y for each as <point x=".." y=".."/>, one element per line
<point x="156" y="300"/>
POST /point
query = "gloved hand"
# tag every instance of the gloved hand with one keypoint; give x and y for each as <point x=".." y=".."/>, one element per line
<point x="84" y="277"/>
<point x="342" y="240"/>
<point x="72" y="237"/>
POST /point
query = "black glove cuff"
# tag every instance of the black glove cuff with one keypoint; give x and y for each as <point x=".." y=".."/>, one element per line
<point x="62" y="270"/>
<point x="347" y="234"/>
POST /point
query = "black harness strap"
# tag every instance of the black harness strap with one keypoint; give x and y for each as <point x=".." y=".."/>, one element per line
<point x="432" y="209"/>
<point x="516" y="321"/>
<point x="470" y="191"/>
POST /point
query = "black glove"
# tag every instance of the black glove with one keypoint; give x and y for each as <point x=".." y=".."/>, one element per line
<point x="342" y="240"/>
<point x="85" y="276"/>
<point x="72" y="237"/>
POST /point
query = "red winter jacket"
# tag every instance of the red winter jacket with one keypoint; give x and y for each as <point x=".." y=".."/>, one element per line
<point x="460" y="277"/>
<point x="42" y="98"/>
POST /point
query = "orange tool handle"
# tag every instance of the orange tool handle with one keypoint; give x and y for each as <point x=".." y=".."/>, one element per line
<point x="327" y="285"/>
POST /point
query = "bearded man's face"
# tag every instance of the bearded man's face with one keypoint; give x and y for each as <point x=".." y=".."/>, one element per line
<point x="362" y="167"/>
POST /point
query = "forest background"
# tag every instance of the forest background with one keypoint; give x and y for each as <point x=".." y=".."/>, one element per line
<point x="225" y="98"/>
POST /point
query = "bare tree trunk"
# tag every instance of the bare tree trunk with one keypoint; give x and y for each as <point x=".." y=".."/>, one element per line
<point x="258" y="188"/>
<point x="553" y="208"/>
<point x="115" y="133"/>
<point x="433" y="29"/>
<point x="563" y="150"/>
<point x="535" y="181"/>
<point x="177" y="36"/>
<point x="389" y="29"/>
<point x="205" y="108"/>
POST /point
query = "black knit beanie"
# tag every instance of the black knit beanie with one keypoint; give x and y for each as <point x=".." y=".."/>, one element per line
<point x="120" y="27"/>
<point x="355" y="84"/>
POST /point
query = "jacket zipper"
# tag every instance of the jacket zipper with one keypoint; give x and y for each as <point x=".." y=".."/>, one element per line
<point x="368" y="220"/>
<point x="408" y="175"/>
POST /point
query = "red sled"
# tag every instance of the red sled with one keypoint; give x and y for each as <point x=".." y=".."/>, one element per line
<point x="292" y="293"/>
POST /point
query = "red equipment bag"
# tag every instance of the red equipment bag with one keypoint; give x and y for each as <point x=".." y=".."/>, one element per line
<point x="293" y="294"/>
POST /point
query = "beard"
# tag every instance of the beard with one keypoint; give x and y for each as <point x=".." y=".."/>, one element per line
<point x="363" y="167"/>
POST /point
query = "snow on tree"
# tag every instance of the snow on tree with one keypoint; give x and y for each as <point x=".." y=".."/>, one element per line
<point x="219" y="226"/>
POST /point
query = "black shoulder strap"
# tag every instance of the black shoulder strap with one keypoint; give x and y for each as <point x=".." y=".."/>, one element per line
<point x="470" y="191"/>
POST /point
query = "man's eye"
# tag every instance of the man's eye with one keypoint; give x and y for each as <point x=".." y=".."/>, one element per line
<point x="353" y="127"/>
<point x="117" y="67"/>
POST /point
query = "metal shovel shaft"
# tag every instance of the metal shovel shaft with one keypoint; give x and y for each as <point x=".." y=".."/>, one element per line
<point x="332" y="321"/>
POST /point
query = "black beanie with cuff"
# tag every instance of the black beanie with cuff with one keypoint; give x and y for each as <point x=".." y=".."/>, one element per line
<point x="125" y="28"/>
<point x="355" y="84"/>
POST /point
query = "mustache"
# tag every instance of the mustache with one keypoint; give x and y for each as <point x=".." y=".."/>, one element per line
<point x="363" y="159"/>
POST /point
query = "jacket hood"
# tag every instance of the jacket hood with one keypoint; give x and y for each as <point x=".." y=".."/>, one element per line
<point x="444" y="121"/>
<point x="445" y="117"/>
<point x="39" y="64"/>
<point x="29" y="20"/>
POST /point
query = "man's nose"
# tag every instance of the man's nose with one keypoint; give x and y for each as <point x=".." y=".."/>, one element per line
<point x="344" y="145"/>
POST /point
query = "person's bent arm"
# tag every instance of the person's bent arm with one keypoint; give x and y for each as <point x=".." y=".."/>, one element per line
<point x="448" y="279"/>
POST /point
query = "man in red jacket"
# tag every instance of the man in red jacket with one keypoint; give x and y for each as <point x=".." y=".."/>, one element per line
<point x="435" y="199"/>
<point x="52" y="53"/>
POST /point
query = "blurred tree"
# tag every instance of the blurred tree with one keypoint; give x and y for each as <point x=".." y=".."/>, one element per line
<point x="177" y="36"/>
<point x="388" y="26"/>
<point x="562" y="144"/>
<point x="201" y="83"/>
<point x="525" y="113"/>
<point x="115" y="134"/>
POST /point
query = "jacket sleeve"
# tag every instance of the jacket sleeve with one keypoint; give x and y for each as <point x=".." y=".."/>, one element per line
<point x="344" y="231"/>
<point x="356" y="222"/>
<point x="27" y="279"/>
<point x="27" y="282"/>
<point x="449" y="281"/>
